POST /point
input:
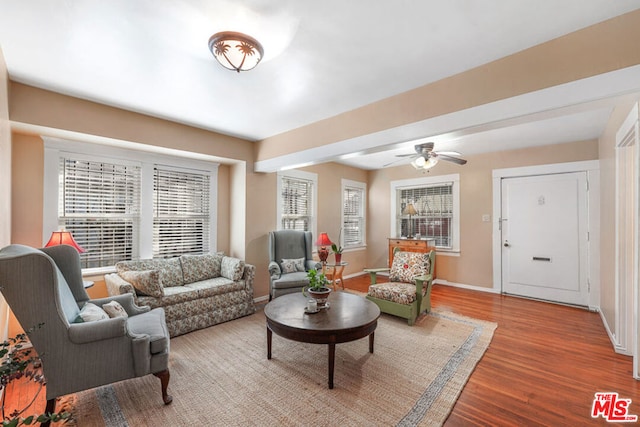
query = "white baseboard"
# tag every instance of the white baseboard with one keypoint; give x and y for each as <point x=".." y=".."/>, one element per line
<point x="465" y="286"/>
<point x="616" y="347"/>
<point x="261" y="299"/>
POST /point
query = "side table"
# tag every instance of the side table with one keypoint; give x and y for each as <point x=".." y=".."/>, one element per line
<point x="333" y="272"/>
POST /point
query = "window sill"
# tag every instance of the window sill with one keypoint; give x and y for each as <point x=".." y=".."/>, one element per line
<point x="89" y="273"/>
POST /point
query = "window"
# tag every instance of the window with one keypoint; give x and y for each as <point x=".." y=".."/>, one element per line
<point x="180" y="212"/>
<point x="124" y="204"/>
<point x="353" y="213"/>
<point x="100" y="205"/>
<point x="297" y="195"/>
<point x="436" y="201"/>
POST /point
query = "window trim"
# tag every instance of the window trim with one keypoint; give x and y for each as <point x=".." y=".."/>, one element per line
<point x="429" y="181"/>
<point x="54" y="148"/>
<point x="348" y="183"/>
<point x="297" y="174"/>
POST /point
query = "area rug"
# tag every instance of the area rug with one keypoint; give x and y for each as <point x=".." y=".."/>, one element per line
<point x="221" y="376"/>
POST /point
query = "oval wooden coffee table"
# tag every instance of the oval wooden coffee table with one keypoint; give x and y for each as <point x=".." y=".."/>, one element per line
<point x="349" y="317"/>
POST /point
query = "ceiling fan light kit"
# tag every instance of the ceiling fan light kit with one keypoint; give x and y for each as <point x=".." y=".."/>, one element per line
<point x="236" y="51"/>
<point x="424" y="164"/>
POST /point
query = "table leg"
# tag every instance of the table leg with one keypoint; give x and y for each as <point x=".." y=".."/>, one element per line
<point x="371" y="337"/>
<point x="269" y="335"/>
<point x="332" y="358"/>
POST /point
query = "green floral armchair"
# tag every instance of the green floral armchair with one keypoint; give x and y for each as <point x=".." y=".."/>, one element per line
<point x="408" y="292"/>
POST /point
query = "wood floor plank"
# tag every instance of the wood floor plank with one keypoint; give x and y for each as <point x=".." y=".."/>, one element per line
<point x="543" y="367"/>
<point x="544" y="364"/>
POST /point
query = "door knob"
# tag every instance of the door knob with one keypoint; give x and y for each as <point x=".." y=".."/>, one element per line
<point x="506" y="244"/>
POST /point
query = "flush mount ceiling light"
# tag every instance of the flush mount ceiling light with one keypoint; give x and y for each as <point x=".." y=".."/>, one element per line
<point x="236" y="51"/>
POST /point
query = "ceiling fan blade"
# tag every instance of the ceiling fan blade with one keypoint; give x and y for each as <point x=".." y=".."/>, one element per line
<point x="449" y="153"/>
<point x="396" y="161"/>
<point x="405" y="155"/>
<point x="451" y="159"/>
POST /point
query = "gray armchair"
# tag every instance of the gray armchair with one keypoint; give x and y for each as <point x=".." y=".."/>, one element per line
<point x="287" y="245"/>
<point x="45" y="287"/>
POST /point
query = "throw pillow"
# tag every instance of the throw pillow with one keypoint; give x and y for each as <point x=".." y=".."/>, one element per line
<point x="146" y="282"/>
<point x="232" y="268"/>
<point x="201" y="267"/>
<point x="407" y="265"/>
<point x="91" y="312"/>
<point x="114" y="309"/>
<point x="292" y="265"/>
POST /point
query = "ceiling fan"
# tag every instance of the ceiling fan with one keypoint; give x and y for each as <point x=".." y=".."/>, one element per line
<point x="426" y="158"/>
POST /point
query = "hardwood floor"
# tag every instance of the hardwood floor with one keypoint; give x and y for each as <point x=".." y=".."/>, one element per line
<point x="544" y="364"/>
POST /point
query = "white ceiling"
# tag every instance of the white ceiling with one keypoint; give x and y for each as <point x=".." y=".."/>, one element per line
<point x="321" y="59"/>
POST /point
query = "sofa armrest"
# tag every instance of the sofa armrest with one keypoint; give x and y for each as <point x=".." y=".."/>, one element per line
<point x="274" y="270"/>
<point x="116" y="285"/>
<point x="311" y="264"/>
<point x="82" y="333"/>
<point x="248" y="277"/>
<point x="126" y="301"/>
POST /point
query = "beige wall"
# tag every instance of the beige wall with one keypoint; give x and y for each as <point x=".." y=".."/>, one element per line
<point x="261" y="216"/>
<point x="246" y="210"/>
<point x="5" y="156"/>
<point x="607" y="144"/>
<point x="475" y="263"/>
<point x="607" y="46"/>
<point x="5" y="177"/>
<point x="247" y="200"/>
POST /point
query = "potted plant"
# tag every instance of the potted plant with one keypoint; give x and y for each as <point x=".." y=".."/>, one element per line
<point x="317" y="288"/>
<point x="337" y="250"/>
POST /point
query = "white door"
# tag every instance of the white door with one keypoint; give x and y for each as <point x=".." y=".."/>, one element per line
<point x="544" y="237"/>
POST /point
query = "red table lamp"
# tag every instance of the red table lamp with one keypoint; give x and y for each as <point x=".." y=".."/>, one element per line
<point x="63" y="237"/>
<point x="323" y="241"/>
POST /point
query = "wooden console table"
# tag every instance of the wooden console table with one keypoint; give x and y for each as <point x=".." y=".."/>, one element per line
<point x="411" y="245"/>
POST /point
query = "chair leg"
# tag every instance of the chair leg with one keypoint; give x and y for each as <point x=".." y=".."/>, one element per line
<point x="50" y="408"/>
<point x="164" y="381"/>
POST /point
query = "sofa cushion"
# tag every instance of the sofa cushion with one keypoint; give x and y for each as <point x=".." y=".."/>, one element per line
<point x="291" y="280"/>
<point x="215" y="286"/>
<point x="398" y="292"/>
<point x="201" y="267"/>
<point x="232" y="268"/>
<point x="151" y="323"/>
<point x="407" y="265"/>
<point x="172" y="295"/>
<point x="170" y="269"/>
<point x="146" y="282"/>
<point x="292" y="265"/>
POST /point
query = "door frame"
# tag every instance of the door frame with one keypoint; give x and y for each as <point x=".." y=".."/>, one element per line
<point x="592" y="170"/>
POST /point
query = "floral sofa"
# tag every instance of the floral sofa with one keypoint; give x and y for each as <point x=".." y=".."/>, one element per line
<point x="196" y="291"/>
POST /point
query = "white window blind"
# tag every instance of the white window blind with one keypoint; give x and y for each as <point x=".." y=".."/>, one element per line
<point x="180" y="212"/>
<point x="297" y="203"/>
<point x="353" y="217"/>
<point x="434" y="218"/>
<point x="99" y="202"/>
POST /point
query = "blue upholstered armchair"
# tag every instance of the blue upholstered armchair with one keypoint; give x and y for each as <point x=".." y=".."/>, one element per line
<point x="45" y="287"/>
<point x="290" y="257"/>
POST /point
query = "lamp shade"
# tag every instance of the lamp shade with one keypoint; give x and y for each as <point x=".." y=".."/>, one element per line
<point x="323" y="240"/>
<point x="63" y="238"/>
<point x="409" y="210"/>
